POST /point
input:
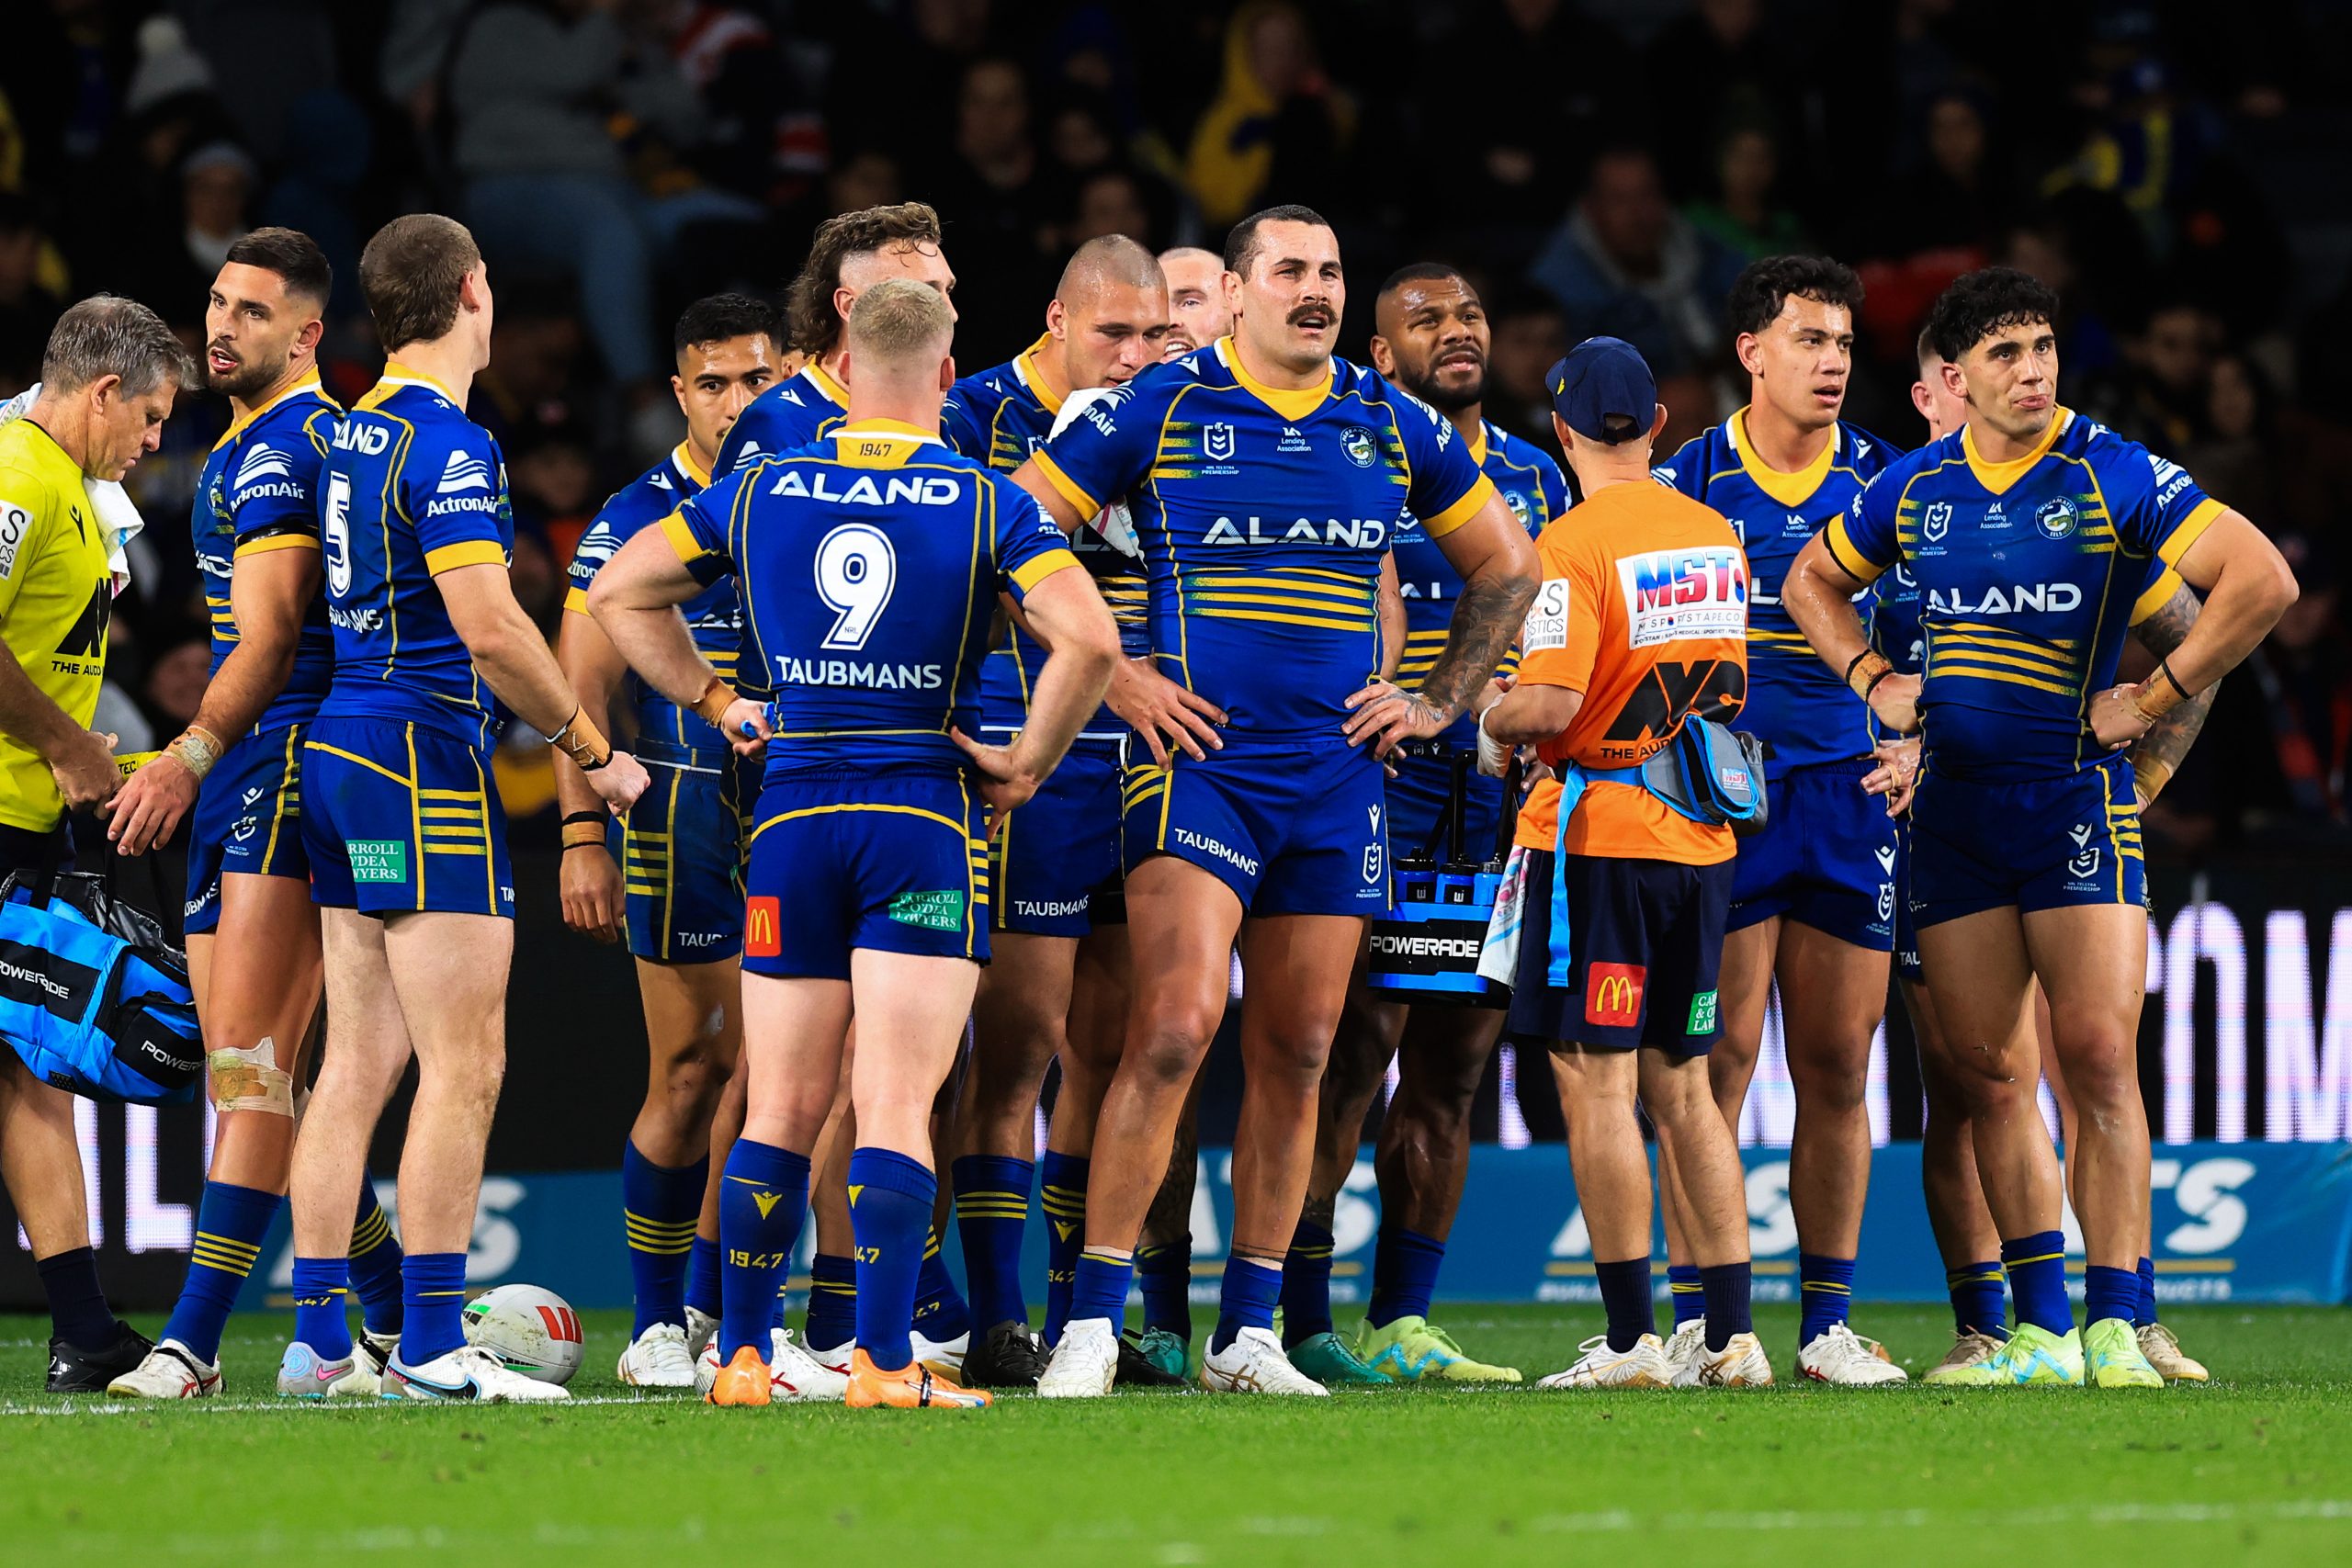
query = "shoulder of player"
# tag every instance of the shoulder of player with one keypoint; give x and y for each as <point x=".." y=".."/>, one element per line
<point x="985" y="390"/>
<point x="1864" y="452"/>
<point x="1697" y="460"/>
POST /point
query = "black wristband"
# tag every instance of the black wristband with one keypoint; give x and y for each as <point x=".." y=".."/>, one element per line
<point x="2164" y="667"/>
<point x="1875" y="680"/>
<point x="595" y="817"/>
<point x="584" y="844"/>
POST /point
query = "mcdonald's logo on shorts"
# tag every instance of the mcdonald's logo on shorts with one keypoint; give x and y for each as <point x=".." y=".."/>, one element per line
<point x="1612" y="994"/>
<point x="762" y="930"/>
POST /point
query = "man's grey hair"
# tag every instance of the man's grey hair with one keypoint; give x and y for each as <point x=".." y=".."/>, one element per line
<point x="109" y="335"/>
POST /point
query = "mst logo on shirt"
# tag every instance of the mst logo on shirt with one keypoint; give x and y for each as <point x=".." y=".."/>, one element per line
<point x="1682" y="593"/>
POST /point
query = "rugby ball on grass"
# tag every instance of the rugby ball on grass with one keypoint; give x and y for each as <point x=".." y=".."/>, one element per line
<point x="532" y="1330"/>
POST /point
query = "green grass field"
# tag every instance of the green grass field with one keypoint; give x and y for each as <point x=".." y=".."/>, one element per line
<point x="2256" y="1467"/>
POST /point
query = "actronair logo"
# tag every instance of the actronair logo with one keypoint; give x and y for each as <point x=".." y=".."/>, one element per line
<point x="464" y="471"/>
<point x="263" y="462"/>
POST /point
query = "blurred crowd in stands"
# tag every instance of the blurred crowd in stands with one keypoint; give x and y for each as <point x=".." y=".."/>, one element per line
<point x="1594" y="166"/>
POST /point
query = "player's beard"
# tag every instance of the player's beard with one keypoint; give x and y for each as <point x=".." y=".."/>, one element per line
<point x="241" y="383"/>
<point x="1463" y="395"/>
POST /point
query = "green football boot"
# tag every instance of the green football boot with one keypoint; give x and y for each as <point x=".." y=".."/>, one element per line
<point x="1326" y="1358"/>
<point x="2111" y="1347"/>
<point x="2032" y="1355"/>
<point x="1413" y="1350"/>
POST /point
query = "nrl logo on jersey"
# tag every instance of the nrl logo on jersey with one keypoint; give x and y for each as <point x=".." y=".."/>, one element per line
<point x="1216" y="442"/>
<point x="1937" y="522"/>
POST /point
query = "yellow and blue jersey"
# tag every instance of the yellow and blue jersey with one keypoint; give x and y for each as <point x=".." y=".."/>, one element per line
<point x="999" y="417"/>
<point x="411" y="489"/>
<point x="1263" y="514"/>
<point x="259" y="491"/>
<point x="868" y="564"/>
<point x="785" y="418"/>
<point x="1531" y="483"/>
<point x="714" y="617"/>
<point x="1797" y="705"/>
<point x="2028" y="574"/>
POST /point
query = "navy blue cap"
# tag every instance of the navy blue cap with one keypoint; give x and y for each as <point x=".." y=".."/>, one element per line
<point x="1601" y="380"/>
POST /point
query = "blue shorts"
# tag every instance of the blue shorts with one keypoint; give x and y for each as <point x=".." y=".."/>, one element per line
<point x="1056" y="860"/>
<point x="1826" y="859"/>
<point x="844" y="858"/>
<point x="1293" y="829"/>
<point x="2041" y="844"/>
<point x="1645" y="945"/>
<point x="1906" y="930"/>
<point x="1416" y="806"/>
<point x="400" y="818"/>
<point x="248" y="818"/>
<point x="680" y="853"/>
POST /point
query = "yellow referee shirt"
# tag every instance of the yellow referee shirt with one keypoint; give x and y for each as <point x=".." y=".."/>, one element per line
<point x="56" y="595"/>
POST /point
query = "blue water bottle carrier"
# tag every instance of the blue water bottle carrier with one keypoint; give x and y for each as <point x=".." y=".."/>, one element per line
<point x="1426" y="948"/>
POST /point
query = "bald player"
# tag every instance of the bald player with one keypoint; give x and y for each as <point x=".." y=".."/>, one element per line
<point x="1054" y="867"/>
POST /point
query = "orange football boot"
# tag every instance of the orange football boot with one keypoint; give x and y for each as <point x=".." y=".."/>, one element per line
<point x="743" y="1381"/>
<point x="912" y="1387"/>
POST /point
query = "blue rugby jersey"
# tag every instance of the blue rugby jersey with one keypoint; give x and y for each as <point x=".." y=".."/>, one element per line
<point x="1263" y="514"/>
<point x="411" y="488"/>
<point x="999" y="417"/>
<point x="715" y="615"/>
<point x="1531" y="483"/>
<point x="1796" y="705"/>
<point x="785" y="418"/>
<point x="259" y="491"/>
<point x="868" y="564"/>
<point x="2028" y="574"/>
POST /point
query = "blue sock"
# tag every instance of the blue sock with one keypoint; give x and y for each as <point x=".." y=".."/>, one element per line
<point x="1627" y="1296"/>
<point x="1306" y="1284"/>
<point x="230" y="1225"/>
<point x="701" y="1277"/>
<point x="1099" y="1288"/>
<point x="1063" y="1179"/>
<point x="1977" y="1299"/>
<point x="433" y="1305"/>
<point x="78" y="1313"/>
<point x="1825" y="1290"/>
<point x="320" y="1294"/>
<point x="1725" y="1288"/>
<point x="375" y="1265"/>
<point x="659" y="1206"/>
<point x="891" y="1197"/>
<point x="1251" y="1287"/>
<point x="2111" y="1293"/>
<point x="2147" y="1313"/>
<point x="2036" y="1266"/>
<point x="1164" y="1275"/>
<point x="832" y="1301"/>
<point x="763" y="1200"/>
<point x="1404" y="1275"/>
<point x="940" y="1309"/>
<point x="991" y="1211"/>
<point x="1683" y="1288"/>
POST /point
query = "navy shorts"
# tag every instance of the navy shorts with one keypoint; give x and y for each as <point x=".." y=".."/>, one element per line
<point x="1416" y="806"/>
<point x="398" y="817"/>
<point x="1056" y="859"/>
<point x="680" y="851"/>
<point x="1293" y="828"/>
<point x="248" y="818"/>
<point x="1826" y="858"/>
<point x="1906" y="932"/>
<point x="845" y="858"/>
<point x="1645" y="945"/>
<point x="2039" y="844"/>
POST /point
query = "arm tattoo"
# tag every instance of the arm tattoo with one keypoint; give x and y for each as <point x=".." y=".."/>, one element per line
<point x="1488" y="614"/>
<point x="2169" y="737"/>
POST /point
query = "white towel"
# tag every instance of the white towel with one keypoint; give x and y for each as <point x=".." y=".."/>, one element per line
<point x="1498" y="955"/>
<point x="118" y="517"/>
<point x="1118" y="530"/>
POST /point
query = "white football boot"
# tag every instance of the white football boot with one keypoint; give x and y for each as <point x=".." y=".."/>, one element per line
<point x="1741" y="1363"/>
<point x="658" y="1359"/>
<point x="2164" y="1352"/>
<point x="1085" y="1363"/>
<point x="1840" y="1357"/>
<point x="1684" y="1346"/>
<point x="304" y="1373"/>
<point x="1644" y="1366"/>
<point x="1254" y="1363"/>
<point x="170" y="1371"/>
<point x="468" y="1374"/>
<point x="700" y="1326"/>
<point x="944" y="1356"/>
<point x="371" y="1353"/>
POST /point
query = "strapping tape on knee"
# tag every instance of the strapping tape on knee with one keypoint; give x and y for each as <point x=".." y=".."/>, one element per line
<point x="251" y="1079"/>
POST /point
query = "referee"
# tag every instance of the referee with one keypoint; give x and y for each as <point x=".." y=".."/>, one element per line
<point x="107" y="380"/>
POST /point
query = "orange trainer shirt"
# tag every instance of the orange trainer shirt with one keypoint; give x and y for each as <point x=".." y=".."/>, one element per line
<point x="1644" y="609"/>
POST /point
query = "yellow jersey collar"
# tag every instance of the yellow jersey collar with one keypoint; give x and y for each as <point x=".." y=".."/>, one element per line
<point x="309" y="383"/>
<point x="685" y="458"/>
<point x="814" y="371"/>
<point x="890" y="429"/>
<point x="1787" y="489"/>
<point x="1480" y="442"/>
<point x="1024" y="366"/>
<point x="397" y="375"/>
<point x="1996" y="478"/>
<point x="1292" y="403"/>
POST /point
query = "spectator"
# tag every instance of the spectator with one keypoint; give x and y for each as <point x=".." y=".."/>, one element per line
<point x="1001" y="209"/>
<point x="1529" y="336"/>
<point x="530" y="90"/>
<point x="2285" y="717"/>
<point x="1112" y="200"/>
<point x="217" y="184"/>
<point x="1720" y="55"/>
<point x="1277" y="128"/>
<point x="1956" y="198"/>
<point x="1744" y="217"/>
<point x="329" y="143"/>
<point x="2239" y="457"/>
<point x="763" y="141"/>
<point x="1627" y="265"/>
<point x="2160" y="398"/>
<point x="28" y="308"/>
